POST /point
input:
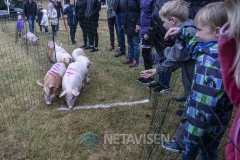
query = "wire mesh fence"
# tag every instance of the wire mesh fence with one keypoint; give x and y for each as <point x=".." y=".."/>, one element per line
<point x="111" y="82"/>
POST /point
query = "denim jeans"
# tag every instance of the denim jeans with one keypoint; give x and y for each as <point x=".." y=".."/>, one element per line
<point x="208" y="148"/>
<point x="31" y="23"/>
<point x="164" y="78"/>
<point x="133" y="47"/>
<point x="121" y="37"/>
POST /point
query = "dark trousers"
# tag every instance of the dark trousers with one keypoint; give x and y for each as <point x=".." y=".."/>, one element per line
<point x="73" y="29"/>
<point x="54" y="30"/>
<point x="146" y="53"/>
<point x="111" y="24"/>
<point x="83" y="25"/>
<point x="121" y="36"/>
<point x="92" y="33"/>
<point x="40" y="26"/>
<point x="46" y="28"/>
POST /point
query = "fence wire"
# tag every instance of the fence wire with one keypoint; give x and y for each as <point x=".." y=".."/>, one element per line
<point x="22" y="65"/>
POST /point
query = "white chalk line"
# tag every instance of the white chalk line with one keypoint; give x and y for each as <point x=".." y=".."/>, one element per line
<point x="105" y="105"/>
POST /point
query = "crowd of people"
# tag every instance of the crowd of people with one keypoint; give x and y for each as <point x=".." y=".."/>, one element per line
<point x="200" y="37"/>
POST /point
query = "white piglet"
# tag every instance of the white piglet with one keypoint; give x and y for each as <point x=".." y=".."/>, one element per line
<point x="73" y="80"/>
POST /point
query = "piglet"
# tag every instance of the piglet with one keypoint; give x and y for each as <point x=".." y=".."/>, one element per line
<point x="29" y="37"/>
<point x="53" y="81"/>
<point x="73" y="80"/>
<point x="58" y="54"/>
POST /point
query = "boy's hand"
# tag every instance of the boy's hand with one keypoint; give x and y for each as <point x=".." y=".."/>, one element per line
<point x="137" y="28"/>
<point x="64" y="16"/>
<point x="172" y="31"/>
<point x="148" y="73"/>
<point x="146" y="37"/>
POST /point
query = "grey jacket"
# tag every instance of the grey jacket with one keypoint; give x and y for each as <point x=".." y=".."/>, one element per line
<point x="177" y="54"/>
<point x="111" y="12"/>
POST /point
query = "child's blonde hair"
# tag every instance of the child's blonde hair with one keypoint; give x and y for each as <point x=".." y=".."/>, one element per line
<point x="175" y="8"/>
<point x="213" y="15"/>
<point x="233" y="13"/>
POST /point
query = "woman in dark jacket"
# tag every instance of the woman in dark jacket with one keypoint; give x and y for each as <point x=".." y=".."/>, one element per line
<point x="130" y="24"/>
<point x="92" y="17"/>
<point x="81" y="6"/>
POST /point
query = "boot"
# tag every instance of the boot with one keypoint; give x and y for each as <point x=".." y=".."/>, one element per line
<point x="180" y="98"/>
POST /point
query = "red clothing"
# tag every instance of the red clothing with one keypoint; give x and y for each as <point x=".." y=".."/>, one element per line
<point x="227" y="52"/>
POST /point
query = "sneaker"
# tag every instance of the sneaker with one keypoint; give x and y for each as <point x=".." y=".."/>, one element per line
<point x="88" y="47"/>
<point x="83" y="46"/>
<point x="74" y="42"/>
<point x="173" y="147"/>
<point x="145" y="80"/>
<point x="180" y="98"/>
<point x="94" y="49"/>
<point x="179" y="113"/>
<point x="161" y="89"/>
<point x="128" y="61"/>
<point x="154" y="85"/>
<point x="134" y="64"/>
<point x="118" y="49"/>
<point x="111" y="48"/>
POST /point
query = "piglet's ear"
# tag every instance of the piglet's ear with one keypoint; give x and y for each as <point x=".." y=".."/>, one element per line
<point x="63" y="93"/>
<point x="40" y="84"/>
<point x="75" y="93"/>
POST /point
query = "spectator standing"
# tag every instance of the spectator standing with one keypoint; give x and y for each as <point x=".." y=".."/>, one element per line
<point x="80" y="13"/>
<point x="130" y="23"/>
<point x="119" y="9"/>
<point x="92" y="17"/>
<point x="40" y="15"/>
<point x="52" y="14"/>
<point x="30" y="12"/>
<point x="111" y="15"/>
<point x="70" y="13"/>
<point x="59" y="8"/>
<point x="44" y="21"/>
<point x="147" y="7"/>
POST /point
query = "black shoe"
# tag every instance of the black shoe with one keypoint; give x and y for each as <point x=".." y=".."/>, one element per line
<point x="180" y="98"/>
<point x="94" y="49"/>
<point x="154" y="85"/>
<point x="179" y="113"/>
<point x="83" y="46"/>
<point x="145" y="80"/>
<point x="89" y="47"/>
<point x="161" y="89"/>
<point x="119" y="54"/>
<point x="74" y="42"/>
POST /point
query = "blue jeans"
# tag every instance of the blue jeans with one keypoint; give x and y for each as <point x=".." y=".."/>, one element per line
<point x="208" y="149"/>
<point x="121" y="37"/>
<point x="133" y="47"/>
<point x="31" y="23"/>
<point x="57" y="26"/>
<point x="164" y="78"/>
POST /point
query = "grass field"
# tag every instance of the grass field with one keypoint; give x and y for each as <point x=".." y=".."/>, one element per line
<point x="31" y="129"/>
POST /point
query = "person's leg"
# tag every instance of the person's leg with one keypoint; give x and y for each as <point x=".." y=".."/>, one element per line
<point x="130" y="48"/>
<point x="190" y="152"/>
<point x="71" y="33"/>
<point x="111" y="22"/>
<point x="83" y="26"/>
<point x="30" y="24"/>
<point x="116" y="30"/>
<point x="136" y="45"/>
<point x="121" y="37"/>
<point x="146" y="53"/>
<point x="94" y="24"/>
<point x="209" y="147"/>
<point x="33" y="23"/>
<point x="57" y="26"/>
<point x="90" y="33"/>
